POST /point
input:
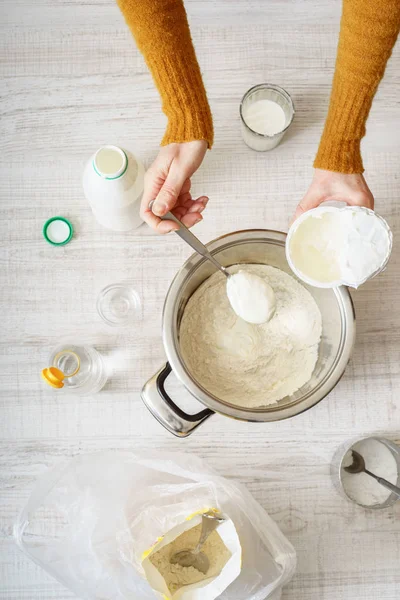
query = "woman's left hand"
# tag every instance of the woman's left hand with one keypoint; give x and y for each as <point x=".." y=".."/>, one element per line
<point x="329" y="185"/>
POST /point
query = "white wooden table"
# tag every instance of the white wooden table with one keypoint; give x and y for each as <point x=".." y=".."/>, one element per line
<point x="72" y="80"/>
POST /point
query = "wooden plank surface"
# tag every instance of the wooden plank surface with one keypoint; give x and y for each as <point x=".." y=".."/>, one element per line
<point x="72" y="79"/>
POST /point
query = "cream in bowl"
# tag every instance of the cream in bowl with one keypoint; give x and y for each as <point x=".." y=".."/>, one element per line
<point x="329" y="246"/>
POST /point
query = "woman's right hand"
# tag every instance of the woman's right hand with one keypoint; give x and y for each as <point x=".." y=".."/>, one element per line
<point x="167" y="182"/>
<point x="329" y="185"/>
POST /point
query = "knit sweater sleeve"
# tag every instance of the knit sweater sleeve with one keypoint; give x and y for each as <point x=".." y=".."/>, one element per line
<point x="369" y="29"/>
<point x="161" y="31"/>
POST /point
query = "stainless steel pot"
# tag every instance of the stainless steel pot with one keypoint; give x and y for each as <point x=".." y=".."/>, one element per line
<point x="338" y="333"/>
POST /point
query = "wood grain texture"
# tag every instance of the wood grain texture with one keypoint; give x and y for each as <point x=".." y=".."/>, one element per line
<point x="71" y="79"/>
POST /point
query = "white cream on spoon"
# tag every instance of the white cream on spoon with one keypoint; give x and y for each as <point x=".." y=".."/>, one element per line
<point x="252" y="298"/>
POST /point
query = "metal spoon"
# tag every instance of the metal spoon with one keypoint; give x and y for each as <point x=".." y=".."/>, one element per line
<point x="193" y="241"/>
<point x="196" y="244"/>
<point x="195" y="558"/>
<point x="358" y="466"/>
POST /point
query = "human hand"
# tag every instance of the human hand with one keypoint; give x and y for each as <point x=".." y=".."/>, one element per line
<point x="168" y="182"/>
<point x="329" y="185"/>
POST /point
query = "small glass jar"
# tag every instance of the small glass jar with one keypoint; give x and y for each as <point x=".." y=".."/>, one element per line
<point x="338" y="465"/>
<point x="83" y="368"/>
<point x="119" y="304"/>
<point x="265" y="91"/>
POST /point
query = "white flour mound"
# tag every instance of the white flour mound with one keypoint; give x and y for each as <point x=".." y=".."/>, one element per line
<point x="176" y="576"/>
<point x="251" y="365"/>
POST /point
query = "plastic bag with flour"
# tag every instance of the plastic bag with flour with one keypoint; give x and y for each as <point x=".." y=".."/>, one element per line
<point x="91" y="523"/>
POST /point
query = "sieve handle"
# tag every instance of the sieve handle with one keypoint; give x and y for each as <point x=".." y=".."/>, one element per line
<point x="164" y="409"/>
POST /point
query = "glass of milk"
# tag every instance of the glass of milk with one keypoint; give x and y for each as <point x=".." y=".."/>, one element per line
<point x="266" y="113"/>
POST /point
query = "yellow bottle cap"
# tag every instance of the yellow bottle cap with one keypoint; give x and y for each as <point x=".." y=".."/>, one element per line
<point x="53" y="377"/>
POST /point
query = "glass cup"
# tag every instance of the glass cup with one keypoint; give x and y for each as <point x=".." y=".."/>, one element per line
<point x="265" y="91"/>
<point x="118" y="304"/>
<point x="338" y="464"/>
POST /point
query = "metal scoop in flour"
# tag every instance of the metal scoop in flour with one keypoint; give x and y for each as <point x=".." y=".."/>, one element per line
<point x="195" y="558"/>
<point x="250" y="296"/>
<point x="358" y="466"/>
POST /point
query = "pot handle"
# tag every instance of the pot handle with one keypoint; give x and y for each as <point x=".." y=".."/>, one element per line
<point x="166" y="411"/>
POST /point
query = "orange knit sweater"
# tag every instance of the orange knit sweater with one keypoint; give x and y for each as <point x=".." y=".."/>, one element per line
<point x="368" y="32"/>
<point x="162" y="34"/>
<point x="369" y="29"/>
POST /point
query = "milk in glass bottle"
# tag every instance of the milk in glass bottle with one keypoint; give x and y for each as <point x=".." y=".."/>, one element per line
<point x="113" y="182"/>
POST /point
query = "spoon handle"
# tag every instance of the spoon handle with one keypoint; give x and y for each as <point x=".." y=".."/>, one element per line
<point x="187" y="235"/>
<point x="194" y="242"/>
<point x="209" y="523"/>
<point x="389" y="486"/>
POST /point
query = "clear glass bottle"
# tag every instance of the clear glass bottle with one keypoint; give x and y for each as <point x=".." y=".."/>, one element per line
<point x="80" y="369"/>
<point x="113" y="182"/>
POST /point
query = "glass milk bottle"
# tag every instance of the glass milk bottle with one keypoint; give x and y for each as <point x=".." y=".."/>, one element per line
<point x="113" y="182"/>
<point x="75" y="368"/>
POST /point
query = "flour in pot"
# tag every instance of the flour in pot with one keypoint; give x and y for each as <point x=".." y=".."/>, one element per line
<point x="244" y="364"/>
